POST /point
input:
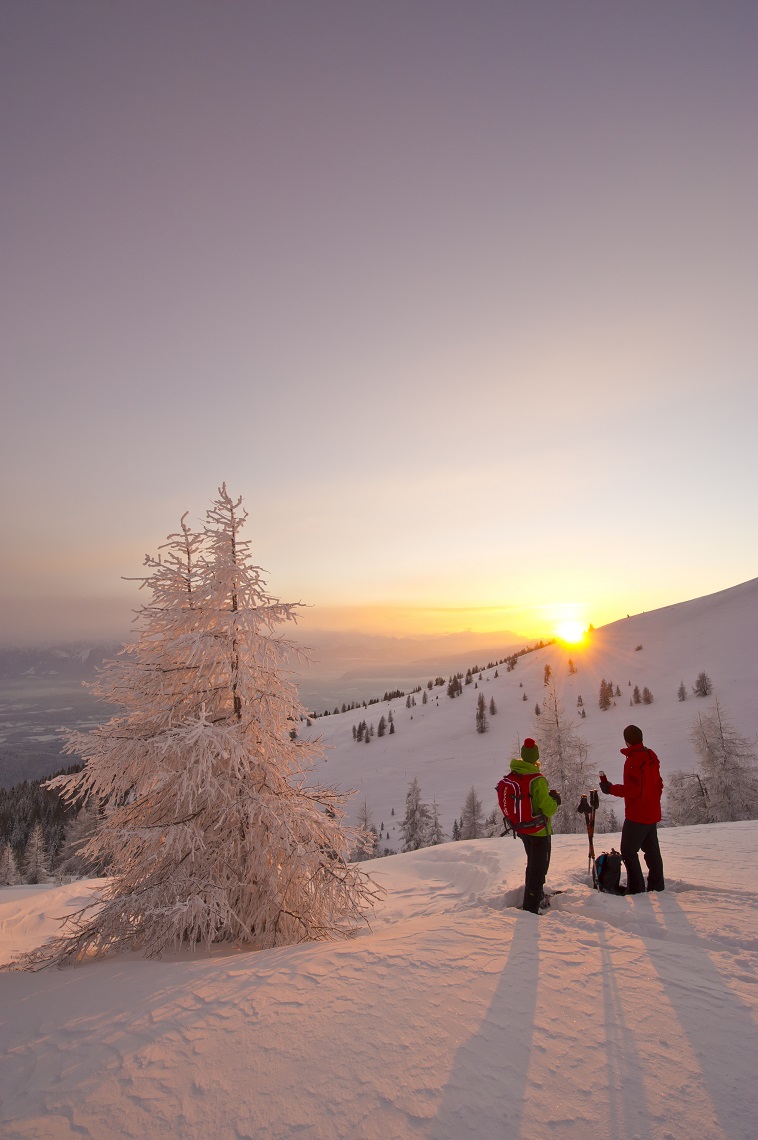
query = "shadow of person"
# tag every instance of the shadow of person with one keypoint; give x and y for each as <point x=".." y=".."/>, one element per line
<point x="485" y="1093"/>
<point x="720" y="1028"/>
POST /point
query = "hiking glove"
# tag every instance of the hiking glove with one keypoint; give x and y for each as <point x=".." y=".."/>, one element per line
<point x="556" y="796"/>
<point x="605" y="786"/>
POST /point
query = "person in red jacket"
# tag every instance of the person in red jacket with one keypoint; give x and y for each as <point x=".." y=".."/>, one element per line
<point x="641" y="793"/>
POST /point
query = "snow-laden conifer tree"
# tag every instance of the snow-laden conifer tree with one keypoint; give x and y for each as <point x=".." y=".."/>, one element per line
<point x="212" y="828"/>
<point x="564" y="760"/>
<point x="436" y="832"/>
<point x="416" y="824"/>
<point x="367" y="837"/>
<point x="10" y="875"/>
<point x="36" y="858"/>
<point x="472" y="816"/>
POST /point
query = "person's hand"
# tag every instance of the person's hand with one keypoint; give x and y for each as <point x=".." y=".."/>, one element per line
<point x="556" y="796"/>
<point x="605" y="784"/>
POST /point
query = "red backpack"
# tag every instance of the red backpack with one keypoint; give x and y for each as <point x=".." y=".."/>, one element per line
<point x="514" y="793"/>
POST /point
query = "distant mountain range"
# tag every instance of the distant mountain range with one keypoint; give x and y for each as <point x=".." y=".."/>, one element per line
<point x="44" y="689"/>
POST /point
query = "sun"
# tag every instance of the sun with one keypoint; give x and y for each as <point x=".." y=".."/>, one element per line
<point x="571" y="632"/>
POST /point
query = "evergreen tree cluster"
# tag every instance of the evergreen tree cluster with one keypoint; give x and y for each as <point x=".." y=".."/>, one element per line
<point x="455" y="686"/>
<point x="34" y="827"/>
<point x="421" y="825"/>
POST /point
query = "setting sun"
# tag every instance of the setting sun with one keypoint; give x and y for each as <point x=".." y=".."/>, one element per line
<point x="570" y="631"/>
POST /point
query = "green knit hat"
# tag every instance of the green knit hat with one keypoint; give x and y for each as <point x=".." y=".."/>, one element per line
<point x="529" y="751"/>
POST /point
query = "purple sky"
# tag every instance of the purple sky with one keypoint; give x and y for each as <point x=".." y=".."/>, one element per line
<point x="460" y="296"/>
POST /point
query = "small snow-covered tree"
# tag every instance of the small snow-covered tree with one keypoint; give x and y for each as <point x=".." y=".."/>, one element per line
<point x="10" y="875"/>
<point x="436" y="834"/>
<point x="682" y="692"/>
<point x="686" y="799"/>
<point x="564" y="759"/>
<point x="472" y="817"/>
<point x="367" y="841"/>
<point x="415" y="826"/>
<point x="725" y="785"/>
<point x="493" y="825"/>
<point x="36" y="858"/>
<point x="703" y="686"/>
<point x="213" y="828"/>
<point x="727" y="767"/>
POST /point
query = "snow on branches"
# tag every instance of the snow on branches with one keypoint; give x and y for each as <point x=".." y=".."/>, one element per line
<point x="212" y="827"/>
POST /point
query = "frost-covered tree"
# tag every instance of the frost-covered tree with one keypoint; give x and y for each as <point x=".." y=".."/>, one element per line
<point x="10" y="875"/>
<point x="605" y="697"/>
<point x="682" y="692"/>
<point x="686" y="799"/>
<point x="647" y="696"/>
<point x="493" y="825"/>
<point x="725" y="785"/>
<point x="36" y="858"/>
<point x="436" y="833"/>
<point x="564" y="760"/>
<point x="367" y="842"/>
<point x="493" y="707"/>
<point x="415" y="826"/>
<point x="472" y="817"/>
<point x="213" y="827"/>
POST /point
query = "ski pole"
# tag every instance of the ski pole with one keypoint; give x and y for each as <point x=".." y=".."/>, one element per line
<point x="588" y="809"/>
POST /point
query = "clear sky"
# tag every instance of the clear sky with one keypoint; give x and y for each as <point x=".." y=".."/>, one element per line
<point x="461" y="296"/>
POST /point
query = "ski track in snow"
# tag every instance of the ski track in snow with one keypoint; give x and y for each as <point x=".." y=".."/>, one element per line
<point x="457" y="1015"/>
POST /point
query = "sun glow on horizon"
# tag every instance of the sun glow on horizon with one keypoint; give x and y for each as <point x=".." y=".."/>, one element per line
<point x="570" y="632"/>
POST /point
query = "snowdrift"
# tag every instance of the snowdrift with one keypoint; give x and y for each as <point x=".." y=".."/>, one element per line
<point x="455" y="1015"/>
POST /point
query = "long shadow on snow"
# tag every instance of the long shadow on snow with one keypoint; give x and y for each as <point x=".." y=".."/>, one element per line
<point x="721" y="1030"/>
<point x="490" y="1070"/>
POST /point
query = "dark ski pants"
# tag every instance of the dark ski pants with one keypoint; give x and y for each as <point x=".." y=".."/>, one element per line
<point x="643" y="837"/>
<point x="537" y="863"/>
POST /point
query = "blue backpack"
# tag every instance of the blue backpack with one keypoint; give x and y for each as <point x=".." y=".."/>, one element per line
<point x="608" y="873"/>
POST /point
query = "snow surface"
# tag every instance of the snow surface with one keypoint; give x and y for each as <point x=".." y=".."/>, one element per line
<point x="438" y="742"/>
<point x="456" y="1015"/>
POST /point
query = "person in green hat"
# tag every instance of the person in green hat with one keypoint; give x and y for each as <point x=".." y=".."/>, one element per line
<point x="528" y="805"/>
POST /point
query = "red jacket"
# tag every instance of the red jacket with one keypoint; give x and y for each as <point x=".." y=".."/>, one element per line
<point x="642" y="786"/>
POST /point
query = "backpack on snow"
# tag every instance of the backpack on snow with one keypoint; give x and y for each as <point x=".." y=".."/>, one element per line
<point x="515" y="796"/>
<point x="608" y="873"/>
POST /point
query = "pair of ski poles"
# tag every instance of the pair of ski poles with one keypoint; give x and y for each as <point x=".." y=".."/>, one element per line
<point x="587" y="808"/>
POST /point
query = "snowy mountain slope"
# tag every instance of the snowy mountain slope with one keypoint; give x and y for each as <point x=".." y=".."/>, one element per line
<point x="437" y="742"/>
<point x="456" y="1015"/>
